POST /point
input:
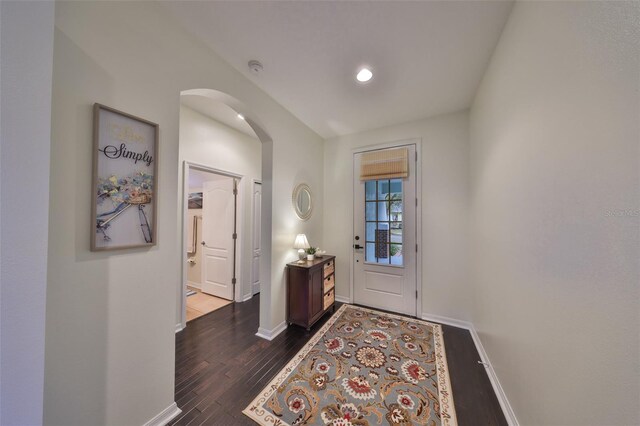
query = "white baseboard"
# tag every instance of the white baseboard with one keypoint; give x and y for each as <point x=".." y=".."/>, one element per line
<point x="255" y="288"/>
<point x="493" y="377"/>
<point x="271" y="334"/>
<point x="194" y="285"/>
<point x="342" y="299"/>
<point x="179" y="327"/>
<point x="247" y="297"/>
<point x="164" y="417"/>
<point x="448" y="321"/>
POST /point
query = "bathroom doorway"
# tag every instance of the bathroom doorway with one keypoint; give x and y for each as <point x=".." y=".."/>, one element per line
<point x="212" y="211"/>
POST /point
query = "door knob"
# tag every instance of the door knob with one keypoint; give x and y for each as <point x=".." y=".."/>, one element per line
<point x="202" y="243"/>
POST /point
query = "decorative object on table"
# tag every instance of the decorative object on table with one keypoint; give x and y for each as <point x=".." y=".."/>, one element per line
<point x="310" y="290"/>
<point x="302" y="201"/>
<point x="363" y="367"/>
<point x="125" y="180"/>
<point x="302" y="244"/>
<point x="320" y="253"/>
<point x="311" y="253"/>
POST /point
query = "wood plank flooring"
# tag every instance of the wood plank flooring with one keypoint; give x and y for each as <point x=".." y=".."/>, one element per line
<point x="221" y="366"/>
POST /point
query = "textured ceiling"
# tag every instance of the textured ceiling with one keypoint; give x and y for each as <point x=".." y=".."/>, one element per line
<point x="428" y="57"/>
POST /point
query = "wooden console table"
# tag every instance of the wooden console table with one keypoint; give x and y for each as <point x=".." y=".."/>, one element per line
<point x="310" y="290"/>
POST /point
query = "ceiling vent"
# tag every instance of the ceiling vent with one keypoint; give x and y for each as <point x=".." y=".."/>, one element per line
<point x="255" y="66"/>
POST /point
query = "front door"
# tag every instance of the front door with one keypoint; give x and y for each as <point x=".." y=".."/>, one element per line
<point x="385" y="240"/>
<point x="218" y="216"/>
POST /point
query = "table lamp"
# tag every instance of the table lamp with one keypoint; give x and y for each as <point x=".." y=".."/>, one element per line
<point x="301" y="244"/>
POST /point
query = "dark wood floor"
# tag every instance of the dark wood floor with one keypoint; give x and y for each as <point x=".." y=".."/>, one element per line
<point x="221" y="366"/>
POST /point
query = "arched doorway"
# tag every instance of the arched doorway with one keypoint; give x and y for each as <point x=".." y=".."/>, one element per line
<point x="232" y="112"/>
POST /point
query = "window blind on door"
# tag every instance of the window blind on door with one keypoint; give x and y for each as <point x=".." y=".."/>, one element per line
<point x="385" y="164"/>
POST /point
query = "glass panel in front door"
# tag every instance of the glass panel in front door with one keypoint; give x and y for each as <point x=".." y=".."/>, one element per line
<point x="383" y="222"/>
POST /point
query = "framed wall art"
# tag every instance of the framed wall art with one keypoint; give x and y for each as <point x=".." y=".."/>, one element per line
<point x="125" y="180"/>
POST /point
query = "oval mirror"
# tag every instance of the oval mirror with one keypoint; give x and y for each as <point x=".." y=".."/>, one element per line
<point x="302" y="201"/>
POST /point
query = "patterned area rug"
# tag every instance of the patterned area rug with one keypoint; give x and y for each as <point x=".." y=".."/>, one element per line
<point x="363" y="367"/>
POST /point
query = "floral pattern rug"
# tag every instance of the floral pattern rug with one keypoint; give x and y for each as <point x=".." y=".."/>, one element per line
<point x="363" y="367"/>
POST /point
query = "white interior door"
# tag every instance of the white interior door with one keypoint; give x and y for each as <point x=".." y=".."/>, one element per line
<point x="218" y="214"/>
<point x="256" y="249"/>
<point x="384" y="254"/>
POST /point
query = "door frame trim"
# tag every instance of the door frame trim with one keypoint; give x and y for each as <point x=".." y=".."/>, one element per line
<point x="190" y="165"/>
<point x="394" y="144"/>
<point x="254" y="182"/>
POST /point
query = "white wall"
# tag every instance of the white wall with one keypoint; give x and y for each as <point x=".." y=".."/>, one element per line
<point x="110" y="360"/>
<point x="444" y="200"/>
<point x="208" y="142"/>
<point x="556" y="207"/>
<point x="26" y="51"/>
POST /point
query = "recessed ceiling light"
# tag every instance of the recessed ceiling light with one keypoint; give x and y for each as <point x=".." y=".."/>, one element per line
<point x="241" y="117"/>
<point x="364" y="75"/>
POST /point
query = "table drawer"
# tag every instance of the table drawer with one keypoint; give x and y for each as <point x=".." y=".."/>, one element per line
<point x="329" y="283"/>
<point x="328" y="299"/>
<point x="329" y="267"/>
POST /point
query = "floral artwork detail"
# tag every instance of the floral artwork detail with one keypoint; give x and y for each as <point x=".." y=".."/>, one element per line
<point x="115" y="195"/>
<point x="130" y="189"/>
<point x="362" y="368"/>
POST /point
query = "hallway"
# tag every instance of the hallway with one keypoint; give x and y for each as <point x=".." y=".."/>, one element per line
<point x="221" y="365"/>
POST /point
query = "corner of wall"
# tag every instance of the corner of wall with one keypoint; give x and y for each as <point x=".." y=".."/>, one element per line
<point x="26" y="64"/>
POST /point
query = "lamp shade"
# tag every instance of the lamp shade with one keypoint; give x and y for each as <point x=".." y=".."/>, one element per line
<point x="301" y="242"/>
